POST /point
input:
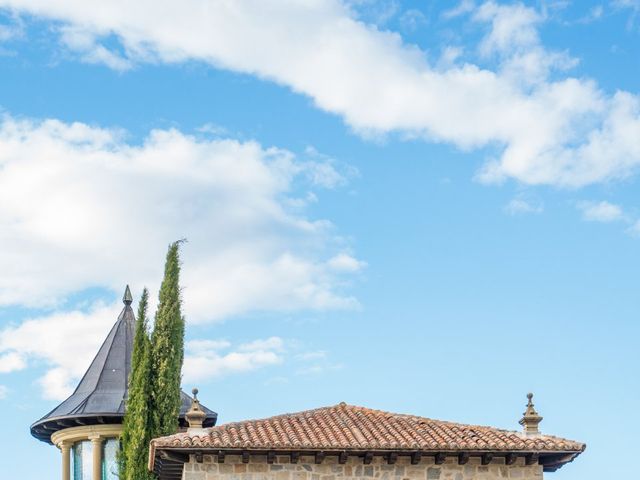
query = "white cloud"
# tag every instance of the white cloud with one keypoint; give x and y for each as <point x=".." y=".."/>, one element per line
<point x="464" y="7"/>
<point x="519" y="206"/>
<point x="344" y="262"/>
<point x="512" y="26"/>
<point x="99" y="212"/>
<point x="12" y="362"/>
<point x="601" y="211"/>
<point x="64" y="342"/>
<point x="86" y="44"/>
<point x="544" y="130"/>
<point x="203" y="365"/>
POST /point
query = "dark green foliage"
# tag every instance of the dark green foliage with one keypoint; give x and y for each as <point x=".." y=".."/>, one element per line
<point x="136" y="433"/>
<point x="167" y="349"/>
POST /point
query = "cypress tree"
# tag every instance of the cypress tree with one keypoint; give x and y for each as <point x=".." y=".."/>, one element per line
<point x="167" y="349"/>
<point x="136" y="433"/>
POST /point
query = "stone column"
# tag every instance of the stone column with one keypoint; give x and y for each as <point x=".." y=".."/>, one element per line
<point x="65" y="449"/>
<point x="96" y="447"/>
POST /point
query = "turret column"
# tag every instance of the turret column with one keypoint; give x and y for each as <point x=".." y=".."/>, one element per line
<point x="65" y="449"/>
<point x="96" y="447"/>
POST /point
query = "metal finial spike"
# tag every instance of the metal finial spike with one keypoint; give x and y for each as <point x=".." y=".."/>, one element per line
<point x="195" y="393"/>
<point x="127" y="299"/>
<point x="530" y="398"/>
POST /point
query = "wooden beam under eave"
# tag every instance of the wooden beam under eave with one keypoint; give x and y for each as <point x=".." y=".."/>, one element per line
<point x="486" y="458"/>
<point x="368" y="457"/>
<point x="220" y="456"/>
<point x="175" y="457"/>
<point x="245" y="457"/>
<point x="294" y="457"/>
<point x="392" y="458"/>
<point x="320" y="457"/>
<point x="510" y="458"/>
<point x="342" y="458"/>
<point x="531" y="459"/>
<point x="440" y="458"/>
<point x="271" y="457"/>
<point x="463" y="458"/>
<point x="415" y="458"/>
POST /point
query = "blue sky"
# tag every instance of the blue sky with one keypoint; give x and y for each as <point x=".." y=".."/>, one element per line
<point x="424" y="207"/>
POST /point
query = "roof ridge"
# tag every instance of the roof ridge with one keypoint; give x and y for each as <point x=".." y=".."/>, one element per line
<point x="343" y="405"/>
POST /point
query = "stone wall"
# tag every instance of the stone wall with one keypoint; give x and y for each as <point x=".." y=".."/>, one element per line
<point x="354" y="469"/>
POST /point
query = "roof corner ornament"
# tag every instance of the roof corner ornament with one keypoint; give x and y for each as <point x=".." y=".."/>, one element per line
<point x="127" y="299"/>
<point x="530" y="419"/>
<point x="195" y="416"/>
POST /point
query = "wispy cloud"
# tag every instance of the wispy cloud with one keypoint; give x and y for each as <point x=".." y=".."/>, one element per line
<point x="4" y="391"/>
<point x="520" y="206"/>
<point x="634" y="229"/>
<point x="464" y="7"/>
<point x="11" y="27"/>
<point x="632" y="6"/>
<point x="601" y="211"/>
<point x="315" y="362"/>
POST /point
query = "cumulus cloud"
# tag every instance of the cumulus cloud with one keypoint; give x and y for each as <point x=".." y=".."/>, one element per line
<point x="601" y="211"/>
<point x="12" y="362"/>
<point x="81" y="207"/>
<point x="344" y="262"/>
<point x="543" y="129"/>
<point x="202" y="364"/>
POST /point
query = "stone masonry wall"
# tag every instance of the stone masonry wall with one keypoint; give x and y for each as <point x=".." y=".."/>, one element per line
<point x="379" y="469"/>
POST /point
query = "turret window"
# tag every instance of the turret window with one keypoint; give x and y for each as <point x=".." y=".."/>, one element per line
<point x="110" y="449"/>
<point x="82" y="460"/>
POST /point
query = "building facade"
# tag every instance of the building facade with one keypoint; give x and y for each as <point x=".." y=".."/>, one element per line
<point x="86" y="427"/>
<point x="346" y="442"/>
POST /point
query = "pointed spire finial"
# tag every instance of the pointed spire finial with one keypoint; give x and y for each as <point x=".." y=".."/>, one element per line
<point x="195" y="416"/>
<point x="530" y="418"/>
<point x="127" y="299"/>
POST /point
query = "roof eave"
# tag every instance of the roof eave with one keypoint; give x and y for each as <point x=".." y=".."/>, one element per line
<point x="556" y="458"/>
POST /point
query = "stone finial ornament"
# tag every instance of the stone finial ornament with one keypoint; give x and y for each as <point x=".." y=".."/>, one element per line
<point x="127" y="298"/>
<point x="195" y="416"/>
<point x="530" y="419"/>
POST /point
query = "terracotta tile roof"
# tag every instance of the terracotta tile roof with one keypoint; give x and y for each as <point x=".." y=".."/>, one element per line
<point x="352" y="428"/>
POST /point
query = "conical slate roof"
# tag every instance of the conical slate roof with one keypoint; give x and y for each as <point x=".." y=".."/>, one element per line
<point x="100" y="395"/>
